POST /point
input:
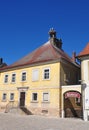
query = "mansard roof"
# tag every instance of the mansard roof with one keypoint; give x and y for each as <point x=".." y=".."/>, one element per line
<point x="48" y="52"/>
<point x="84" y="52"/>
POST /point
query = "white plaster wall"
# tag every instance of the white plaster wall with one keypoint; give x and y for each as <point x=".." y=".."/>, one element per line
<point x="85" y="80"/>
<point x="85" y="71"/>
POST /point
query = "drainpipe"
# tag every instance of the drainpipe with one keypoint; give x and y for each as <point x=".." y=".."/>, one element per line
<point x="85" y="112"/>
<point x="60" y="94"/>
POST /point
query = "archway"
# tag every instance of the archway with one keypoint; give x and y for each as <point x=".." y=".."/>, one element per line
<point x="73" y="104"/>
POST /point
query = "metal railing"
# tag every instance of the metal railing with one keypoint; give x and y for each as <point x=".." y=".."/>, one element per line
<point x="10" y="105"/>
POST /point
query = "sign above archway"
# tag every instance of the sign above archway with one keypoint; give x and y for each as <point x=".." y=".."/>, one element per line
<point x="72" y="94"/>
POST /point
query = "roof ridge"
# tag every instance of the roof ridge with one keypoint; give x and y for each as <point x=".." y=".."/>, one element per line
<point x="61" y="51"/>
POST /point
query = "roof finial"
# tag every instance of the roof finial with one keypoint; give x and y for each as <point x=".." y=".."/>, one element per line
<point x="52" y="33"/>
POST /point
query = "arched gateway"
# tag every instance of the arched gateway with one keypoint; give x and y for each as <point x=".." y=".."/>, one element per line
<point x="72" y="104"/>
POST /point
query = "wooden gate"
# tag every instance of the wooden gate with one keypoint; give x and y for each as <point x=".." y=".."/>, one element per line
<point x="73" y="104"/>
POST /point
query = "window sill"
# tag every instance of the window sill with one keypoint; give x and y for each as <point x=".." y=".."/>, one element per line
<point x="46" y="79"/>
<point x="24" y="81"/>
<point x="6" y="83"/>
<point x="4" y="100"/>
<point x="35" y="80"/>
<point x="13" y="82"/>
<point x="45" y="102"/>
<point x="34" y="101"/>
<point x="11" y="101"/>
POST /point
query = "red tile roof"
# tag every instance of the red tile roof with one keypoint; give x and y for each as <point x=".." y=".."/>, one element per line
<point x="46" y="53"/>
<point x="85" y="51"/>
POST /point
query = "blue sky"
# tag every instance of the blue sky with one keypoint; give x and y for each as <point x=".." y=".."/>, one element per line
<point x="24" y="25"/>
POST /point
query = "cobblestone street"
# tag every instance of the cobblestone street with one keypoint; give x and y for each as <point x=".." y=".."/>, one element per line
<point x="18" y="122"/>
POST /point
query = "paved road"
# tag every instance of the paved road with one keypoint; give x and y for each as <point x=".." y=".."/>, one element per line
<point x="18" y="122"/>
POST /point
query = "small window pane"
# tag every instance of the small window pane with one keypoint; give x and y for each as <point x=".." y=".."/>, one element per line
<point x="46" y="74"/>
<point x="4" y="96"/>
<point x="77" y="100"/>
<point x="45" y="96"/>
<point x="6" y="79"/>
<point x="34" y="96"/>
<point x="12" y="96"/>
<point x="13" y="77"/>
<point x="24" y="76"/>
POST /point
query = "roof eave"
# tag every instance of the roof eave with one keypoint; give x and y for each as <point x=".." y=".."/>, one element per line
<point x="81" y="56"/>
<point x="28" y="65"/>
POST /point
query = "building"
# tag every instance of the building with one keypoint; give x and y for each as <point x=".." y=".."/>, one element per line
<point x="36" y="81"/>
<point x="84" y="58"/>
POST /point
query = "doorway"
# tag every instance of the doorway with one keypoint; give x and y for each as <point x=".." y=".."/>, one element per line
<point x="73" y="104"/>
<point x="22" y="99"/>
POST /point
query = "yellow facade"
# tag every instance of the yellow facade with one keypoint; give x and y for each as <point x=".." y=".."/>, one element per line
<point x="52" y="86"/>
<point x="40" y="86"/>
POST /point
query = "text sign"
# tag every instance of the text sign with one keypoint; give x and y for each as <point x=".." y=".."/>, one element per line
<point x="72" y="94"/>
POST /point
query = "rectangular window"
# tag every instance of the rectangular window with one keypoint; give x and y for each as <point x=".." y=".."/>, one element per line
<point x="34" y="96"/>
<point x="46" y="97"/>
<point x="46" y="74"/>
<point x="12" y="97"/>
<point x="4" y="96"/>
<point x="13" y="78"/>
<point x="77" y="100"/>
<point x="35" y="75"/>
<point x="23" y="76"/>
<point x="6" y="79"/>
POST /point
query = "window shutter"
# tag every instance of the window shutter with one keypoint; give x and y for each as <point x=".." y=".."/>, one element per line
<point x="45" y="96"/>
<point x="35" y="75"/>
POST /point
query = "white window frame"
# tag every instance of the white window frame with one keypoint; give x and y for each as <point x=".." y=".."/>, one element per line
<point x="4" y="98"/>
<point x="6" y="79"/>
<point x="35" y="72"/>
<point x="13" y="79"/>
<point x="46" y="73"/>
<point x="47" y="96"/>
<point x="22" y="76"/>
<point x="12" y="99"/>
<point x="33" y="95"/>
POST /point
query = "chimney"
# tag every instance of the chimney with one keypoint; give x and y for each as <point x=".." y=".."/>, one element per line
<point x="52" y="33"/>
<point x="74" y="56"/>
<point x="1" y="61"/>
<point x="54" y="40"/>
